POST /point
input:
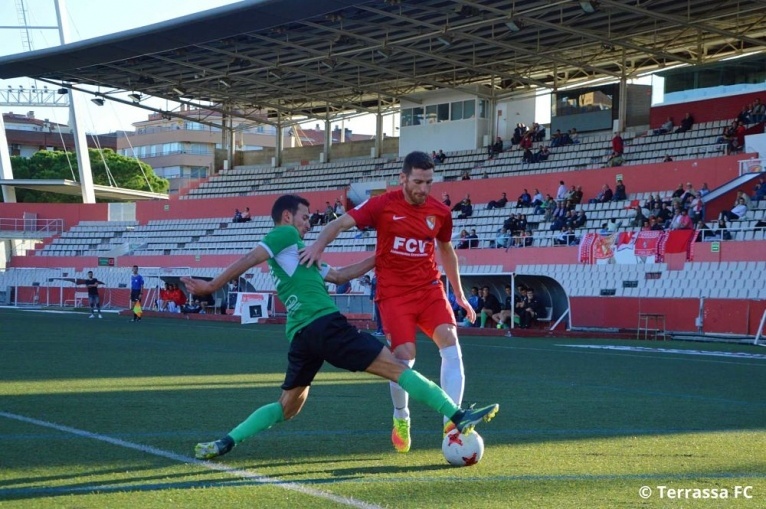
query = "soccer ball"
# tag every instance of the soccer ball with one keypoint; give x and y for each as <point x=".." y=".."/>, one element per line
<point x="462" y="450"/>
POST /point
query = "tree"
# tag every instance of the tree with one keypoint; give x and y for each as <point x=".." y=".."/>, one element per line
<point x="125" y="171"/>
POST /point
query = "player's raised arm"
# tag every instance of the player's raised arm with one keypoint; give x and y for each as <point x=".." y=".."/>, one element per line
<point x="345" y="274"/>
<point x="313" y="253"/>
<point x="233" y="271"/>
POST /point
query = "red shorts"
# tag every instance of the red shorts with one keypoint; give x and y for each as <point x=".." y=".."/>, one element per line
<point x="426" y="308"/>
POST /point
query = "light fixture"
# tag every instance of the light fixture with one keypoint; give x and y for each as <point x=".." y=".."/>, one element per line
<point x="179" y="90"/>
<point x="514" y="25"/>
<point x="135" y="96"/>
<point x="276" y="73"/>
<point x="226" y="82"/>
<point x="329" y="63"/>
<point x="589" y="6"/>
<point x="445" y="39"/>
<point x="63" y="91"/>
<point x="607" y="46"/>
<point x="383" y="52"/>
<point x="97" y="101"/>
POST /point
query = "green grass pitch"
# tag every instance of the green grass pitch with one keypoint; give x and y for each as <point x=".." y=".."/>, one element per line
<point x="105" y="414"/>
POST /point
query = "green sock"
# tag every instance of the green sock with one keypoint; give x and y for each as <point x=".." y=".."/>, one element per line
<point x="425" y="391"/>
<point x="260" y="420"/>
<point x="483" y="320"/>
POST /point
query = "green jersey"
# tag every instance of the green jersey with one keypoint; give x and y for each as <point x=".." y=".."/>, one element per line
<point x="301" y="289"/>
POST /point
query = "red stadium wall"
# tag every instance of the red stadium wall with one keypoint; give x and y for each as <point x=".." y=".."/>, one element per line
<point x="720" y="316"/>
<point x="71" y="213"/>
<point x="638" y="179"/>
<point x="705" y="110"/>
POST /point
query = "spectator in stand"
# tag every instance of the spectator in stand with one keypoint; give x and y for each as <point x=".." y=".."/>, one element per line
<point x="704" y="189"/>
<point x="434" y="157"/>
<point x="521" y="223"/>
<point x="667" y="159"/>
<point x="459" y="206"/>
<point x="441" y="157"/>
<point x="538" y="132"/>
<point x="738" y="212"/>
<point x="537" y="199"/>
<point x="744" y="115"/>
<point x="697" y="209"/>
<point x="727" y="133"/>
<point x="446" y="200"/>
<point x="619" y="191"/>
<point x="246" y="215"/>
<point x="518" y="133"/>
<point x="574" y="137"/>
<point x="503" y="238"/>
<point x="576" y="198"/>
<point x="339" y="209"/>
<point x="465" y="176"/>
<point x="615" y="159"/>
<point x="526" y="140"/>
<point x="561" y="192"/>
<point x="688" y="193"/>
<point x="686" y="123"/>
<point x="722" y="230"/>
<point x="527" y="238"/>
<point x="237" y="216"/>
<point x="604" y="196"/>
<point x="681" y="221"/>
<point x="618" y="144"/>
<point x="557" y="139"/>
<point x="511" y="223"/>
<point x="541" y="155"/>
<point x="548" y="205"/>
<point x="743" y="195"/>
<point x="758" y="111"/>
<point x="759" y="192"/>
<point x="485" y="175"/>
<point x="527" y="156"/>
<point x="462" y="242"/>
<point x="491" y="306"/>
<point x="655" y="224"/>
<point x="665" y="128"/>
<point x="639" y="218"/>
<point x="495" y="148"/>
<point x="580" y="219"/>
<point x="737" y="142"/>
<point x="466" y="210"/>
<point x="498" y="204"/>
<point x="525" y="199"/>
<point x="473" y="239"/>
<point x="316" y="218"/>
<point x="329" y="212"/>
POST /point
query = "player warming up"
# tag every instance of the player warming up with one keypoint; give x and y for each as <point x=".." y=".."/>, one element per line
<point x="317" y="331"/>
<point x="411" y="227"/>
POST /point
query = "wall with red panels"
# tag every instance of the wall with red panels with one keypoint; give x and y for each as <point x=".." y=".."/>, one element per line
<point x="704" y="110"/>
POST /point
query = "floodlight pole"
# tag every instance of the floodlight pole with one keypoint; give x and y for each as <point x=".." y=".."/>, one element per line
<point x="81" y="145"/>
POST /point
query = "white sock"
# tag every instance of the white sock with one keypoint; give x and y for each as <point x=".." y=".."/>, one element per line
<point x="399" y="396"/>
<point x="452" y="373"/>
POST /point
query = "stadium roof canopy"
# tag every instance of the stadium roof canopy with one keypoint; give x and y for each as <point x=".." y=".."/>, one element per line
<point x="323" y="58"/>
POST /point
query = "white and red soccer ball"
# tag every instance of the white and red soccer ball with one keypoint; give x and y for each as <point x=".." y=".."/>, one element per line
<point x="463" y="450"/>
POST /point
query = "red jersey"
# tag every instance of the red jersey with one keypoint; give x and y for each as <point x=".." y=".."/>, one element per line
<point x="404" y="254"/>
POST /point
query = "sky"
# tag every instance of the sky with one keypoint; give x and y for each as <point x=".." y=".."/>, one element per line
<point x="86" y="21"/>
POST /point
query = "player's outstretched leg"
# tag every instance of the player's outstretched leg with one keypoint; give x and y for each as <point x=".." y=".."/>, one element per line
<point x="209" y="450"/>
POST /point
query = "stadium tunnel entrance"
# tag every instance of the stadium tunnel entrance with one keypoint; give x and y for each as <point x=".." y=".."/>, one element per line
<point x="548" y="291"/>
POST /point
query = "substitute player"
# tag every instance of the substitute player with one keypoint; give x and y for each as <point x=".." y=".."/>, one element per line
<point x="93" y="298"/>
<point x="317" y="331"/>
<point x="411" y="227"/>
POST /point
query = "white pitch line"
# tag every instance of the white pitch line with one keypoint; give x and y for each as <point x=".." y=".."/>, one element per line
<point x="220" y="467"/>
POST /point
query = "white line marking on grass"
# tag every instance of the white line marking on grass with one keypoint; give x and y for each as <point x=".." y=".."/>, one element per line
<point x="220" y="467"/>
<point x="710" y="353"/>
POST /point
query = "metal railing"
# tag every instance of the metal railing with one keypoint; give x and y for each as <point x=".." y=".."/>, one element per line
<point x="30" y="227"/>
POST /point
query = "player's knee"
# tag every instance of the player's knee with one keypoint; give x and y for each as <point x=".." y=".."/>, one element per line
<point x="451" y="352"/>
